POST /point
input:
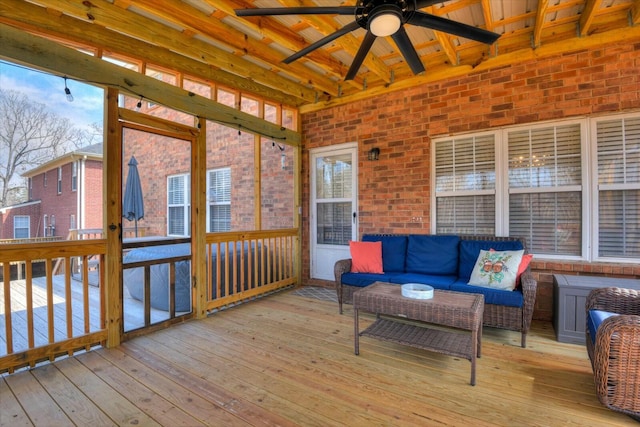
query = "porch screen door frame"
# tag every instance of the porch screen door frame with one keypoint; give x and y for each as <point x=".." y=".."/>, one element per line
<point x="334" y="206"/>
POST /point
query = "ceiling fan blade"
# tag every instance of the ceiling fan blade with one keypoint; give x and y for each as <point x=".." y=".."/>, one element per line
<point x="408" y="51"/>
<point x="265" y="11"/>
<point x="452" y="27"/>
<point x="342" y="31"/>
<point x="369" y="38"/>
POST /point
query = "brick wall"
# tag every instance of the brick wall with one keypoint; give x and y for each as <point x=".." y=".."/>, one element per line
<point x="61" y="205"/>
<point x="395" y="190"/>
<point x="32" y="210"/>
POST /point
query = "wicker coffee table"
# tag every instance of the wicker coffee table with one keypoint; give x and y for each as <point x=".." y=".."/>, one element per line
<point x="459" y="312"/>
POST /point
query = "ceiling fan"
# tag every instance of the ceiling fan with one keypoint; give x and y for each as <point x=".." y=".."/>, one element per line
<point x="380" y="18"/>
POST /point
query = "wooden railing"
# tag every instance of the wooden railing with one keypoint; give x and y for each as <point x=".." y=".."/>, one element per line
<point x="45" y="317"/>
<point x="244" y="265"/>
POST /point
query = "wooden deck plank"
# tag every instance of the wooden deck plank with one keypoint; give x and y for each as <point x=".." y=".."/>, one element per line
<point x="199" y="408"/>
<point x="11" y="413"/>
<point x="109" y="400"/>
<point x="229" y="380"/>
<point x="351" y="394"/>
<point x="288" y="360"/>
<point x="153" y="404"/>
<point x="39" y="405"/>
<point x="443" y="372"/>
<point x="78" y="407"/>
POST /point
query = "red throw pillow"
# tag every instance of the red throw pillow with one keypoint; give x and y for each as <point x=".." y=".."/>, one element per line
<point x="526" y="259"/>
<point x="366" y="257"/>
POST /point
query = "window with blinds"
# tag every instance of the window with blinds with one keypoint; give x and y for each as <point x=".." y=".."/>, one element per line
<point x="334" y="190"/>
<point x="618" y="181"/>
<point x="21" y="227"/>
<point x="466" y="185"/>
<point x="545" y="188"/>
<point x="178" y="205"/>
<point x="219" y="200"/>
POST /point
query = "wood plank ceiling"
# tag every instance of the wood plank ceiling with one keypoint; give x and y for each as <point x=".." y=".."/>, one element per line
<point x="205" y="38"/>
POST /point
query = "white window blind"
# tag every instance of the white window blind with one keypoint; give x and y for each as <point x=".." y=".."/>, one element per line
<point x="219" y="200"/>
<point x="178" y="205"/>
<point x="618" y="151"/>
<point x="21" y="227"/>
<point x="545" y="187"/>
<point x="465" y="185"/>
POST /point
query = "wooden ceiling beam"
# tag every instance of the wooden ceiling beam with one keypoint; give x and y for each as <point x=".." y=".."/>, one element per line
<point x="635" y="12"/>
<point x="283" y="36"/>
<point x="326" y="25"/>
<point x="588" y="14"/>
<point x="543" y="5"/>
<point x="39" y="20"/>
<point x="100" y="12"/>
<point x="186" y="16"/>
<point x="24" y="48"/>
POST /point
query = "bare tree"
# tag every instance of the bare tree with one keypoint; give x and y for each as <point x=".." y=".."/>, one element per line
<point x="30" y="135"/>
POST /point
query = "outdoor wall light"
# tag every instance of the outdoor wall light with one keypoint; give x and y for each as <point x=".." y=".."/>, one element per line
<point x="373" y="154"/>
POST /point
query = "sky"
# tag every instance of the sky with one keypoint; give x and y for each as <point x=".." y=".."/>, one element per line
<point x="47" y="89"/>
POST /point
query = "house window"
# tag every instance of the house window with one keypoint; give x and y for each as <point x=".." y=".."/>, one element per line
<point x="545" y="188"/>
<point x="74" y="176"/>
<point x="21" y="227"/>
<point x="178" y="205"/>
<point x="466" y="185"/>
<point x="532" y="181"/>
<point x="30" y="188"/>
<point x="44" y="180"/>
<point x="219" y="200"/>
<point x="60" y="180"/>
<point x="618" y="187"/>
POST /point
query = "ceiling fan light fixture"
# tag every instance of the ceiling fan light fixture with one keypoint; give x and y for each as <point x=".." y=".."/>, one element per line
<point x="385" y="20"/>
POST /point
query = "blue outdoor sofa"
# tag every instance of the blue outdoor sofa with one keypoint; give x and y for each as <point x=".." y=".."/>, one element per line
<point x="446" y="262"/>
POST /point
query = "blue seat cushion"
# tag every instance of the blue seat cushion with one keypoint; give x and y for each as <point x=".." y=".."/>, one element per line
<point x="394" y="249"/>
<point x="438" y="282"/>
<point x="595" y="319"/>
<point x="470" y="250"/>
<point x="491" y="296"/>
<point x="432" y="254"/>
<point x="365" y="279"/>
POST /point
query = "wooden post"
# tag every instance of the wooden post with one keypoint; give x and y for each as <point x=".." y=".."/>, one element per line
<point x="199" y="219"/>
<point x="112" y="181"/>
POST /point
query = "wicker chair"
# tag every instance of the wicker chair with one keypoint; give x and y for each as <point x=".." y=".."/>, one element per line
<point x="615" y="352"/>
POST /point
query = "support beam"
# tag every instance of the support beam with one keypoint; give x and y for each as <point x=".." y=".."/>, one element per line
<point x="206" y="59"/>
<point x="16" y="45"/>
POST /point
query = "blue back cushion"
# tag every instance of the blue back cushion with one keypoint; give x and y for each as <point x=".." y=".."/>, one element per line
<point x="394" y="249"/>
<point x="432" y="254"/>
<point x="595" y="318"/>
<point x="470" y="250"/>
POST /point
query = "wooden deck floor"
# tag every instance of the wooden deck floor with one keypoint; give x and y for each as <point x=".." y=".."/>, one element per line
<point x="288" y="360"/>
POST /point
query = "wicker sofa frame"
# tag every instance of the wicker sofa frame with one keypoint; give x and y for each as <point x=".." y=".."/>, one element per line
<point x="615" y="354"/>
<point x="496" y="316"/>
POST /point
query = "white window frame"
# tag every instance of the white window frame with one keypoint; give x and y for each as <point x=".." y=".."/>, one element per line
<point x="588" y="187"/>
<point x="16" y="220"/>
<point x="186" y="205"/>
<point x="74" y="176"/>
<point x="211" y="200"/>
<point x="595" y="248"/>
<point x="59" y="180"/>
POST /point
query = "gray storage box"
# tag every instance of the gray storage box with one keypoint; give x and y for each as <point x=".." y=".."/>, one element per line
<point x="569" y="298"/>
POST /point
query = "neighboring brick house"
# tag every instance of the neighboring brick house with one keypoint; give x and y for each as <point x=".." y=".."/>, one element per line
<point x="63" y="194"/>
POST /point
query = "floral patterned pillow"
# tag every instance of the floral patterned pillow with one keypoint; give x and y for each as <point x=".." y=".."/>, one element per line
<point x="496" y="269"/>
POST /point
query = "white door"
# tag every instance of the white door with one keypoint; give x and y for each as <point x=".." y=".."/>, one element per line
<point x="334" y="220"/>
